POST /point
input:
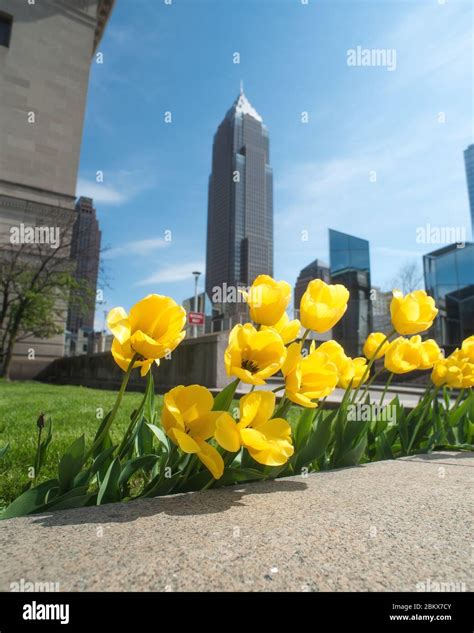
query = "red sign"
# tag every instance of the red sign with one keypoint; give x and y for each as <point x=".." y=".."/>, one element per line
<point x="196" y="318"/>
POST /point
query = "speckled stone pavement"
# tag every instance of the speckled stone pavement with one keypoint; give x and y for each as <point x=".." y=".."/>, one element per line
<point x="400" y="525"/>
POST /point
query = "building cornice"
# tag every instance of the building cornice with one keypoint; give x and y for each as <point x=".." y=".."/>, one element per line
<point x="104" y="11"/>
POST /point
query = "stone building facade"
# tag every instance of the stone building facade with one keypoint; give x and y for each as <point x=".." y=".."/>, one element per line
<point x="46" y="49"/>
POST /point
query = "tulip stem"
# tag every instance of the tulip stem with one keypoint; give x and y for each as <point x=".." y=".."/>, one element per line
<point x="133" y="421"/>
<point x="98" y="441"/>
<point x="422" y="417"/>
<point x="387" y="384"/>
<point x="371" y="362"/>
<point x="278" y="389"/>
<point x="305" y="336"/>
<point x="189" y="467"/>
<point x="369" y="384"/>
<point x="458" y="400"/>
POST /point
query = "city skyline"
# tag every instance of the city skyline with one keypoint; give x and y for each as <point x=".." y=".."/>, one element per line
<point x="360" y="121"/>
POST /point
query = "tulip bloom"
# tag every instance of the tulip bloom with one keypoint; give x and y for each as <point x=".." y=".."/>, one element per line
<point x="350" y="370"/>
<point x="254" y="356"/>
<point x="439" y="373"/>
<point x="267" y="299"/>
<point x="189" y="421"/>
<point x="354" y="374"/>
<point x="413" y="313"/>
<point x="310" y="377"/>
<point x="323" y="305"/>
<point x="288" y="330"/>
<point x="404" y="355"/>
<point x="152" y="329"/>
<point x="267" y="439"/>
<point x="372" y="344"/>
<point x="431" y="354"/>
<point x="467" y="348"/>
<point x="460" y="372"/>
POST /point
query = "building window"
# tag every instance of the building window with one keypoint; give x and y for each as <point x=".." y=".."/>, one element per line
<point x="5" y="29"/>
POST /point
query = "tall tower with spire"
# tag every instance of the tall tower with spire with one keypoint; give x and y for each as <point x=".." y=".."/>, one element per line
<point x="240" y="207"/>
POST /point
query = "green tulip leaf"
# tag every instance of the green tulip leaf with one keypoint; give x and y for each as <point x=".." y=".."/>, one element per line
<point x="223" y="400"/>
<point x="70" y="464"/>
<point x="109" y="488"/>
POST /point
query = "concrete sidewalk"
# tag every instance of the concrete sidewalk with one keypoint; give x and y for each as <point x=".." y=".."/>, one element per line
<point x="402" y="525"/>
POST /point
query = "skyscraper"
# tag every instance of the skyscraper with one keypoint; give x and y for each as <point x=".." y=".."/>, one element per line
<point x="85" y="248"/>
<point x="350" y="266"/>
<point x="240" y="206"/>
<point x="469" y="163"/>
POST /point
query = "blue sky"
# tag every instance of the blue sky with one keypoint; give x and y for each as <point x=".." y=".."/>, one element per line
<point x="293" y="59"/>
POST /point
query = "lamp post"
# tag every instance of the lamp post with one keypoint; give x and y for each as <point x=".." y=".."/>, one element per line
<point x="196" y="274"/>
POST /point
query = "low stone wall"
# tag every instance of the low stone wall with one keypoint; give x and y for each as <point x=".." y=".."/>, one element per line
<point x="199" y="360"/>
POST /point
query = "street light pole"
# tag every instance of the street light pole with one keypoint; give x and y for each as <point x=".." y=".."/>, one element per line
<point x="196" y="278"/>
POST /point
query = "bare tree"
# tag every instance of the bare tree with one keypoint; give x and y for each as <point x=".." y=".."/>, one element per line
<point x="408" y="278"/>
<point x="36" y="281"/>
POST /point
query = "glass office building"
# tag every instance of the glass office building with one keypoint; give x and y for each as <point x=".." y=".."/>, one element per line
<point x="469" y="163"/>
<point x="240" y="207"/>
<point x="350" y="266"/>
<point x="449" y="279"/>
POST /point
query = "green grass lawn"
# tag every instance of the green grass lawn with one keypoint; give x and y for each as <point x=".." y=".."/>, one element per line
<point x="74" y="411"/>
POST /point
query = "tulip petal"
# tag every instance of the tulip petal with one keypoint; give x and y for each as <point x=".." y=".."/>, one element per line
<point x="193" y="401"/>
<point x="256" y="407"/>
<point x="211" y="459"/>
<point x="119" y="324"/>
<point x="227" y="434"/>
<point x="251" y="438"/>
<point x="146" y="346"/>
<point x="185" y="441"/>
<point x="275" y="429"/>
<point x="246" y="376"/>
<point x="204" y="427"/>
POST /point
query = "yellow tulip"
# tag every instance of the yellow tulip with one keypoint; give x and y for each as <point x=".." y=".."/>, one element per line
<point x="267" y="299"/>
<point x="123" y="355"/>
<point x="413" y="313"/>
<point x="439" y="373"/>
<point x="189" y="421"/>
<point x="334" y="350"/>
<point x="372" y="344"/>
<point x="404" y="355"/>
<point x="323" y="305"/>
<point x="288" y="330"/>
<point x="350" y="370"/>
<point x="460" y="372"/>
<point x="467" y="348"/>
<point x="354" y="374"/>
<point x="254" y="356"/>
<point x="431" y="354"/>
<point x="267" y="439"/>
<point x="152" y="329"/>
<point x="308" y="378"/>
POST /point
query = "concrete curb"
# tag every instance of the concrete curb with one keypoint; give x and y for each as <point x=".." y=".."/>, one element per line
<point x="387" y="526"/>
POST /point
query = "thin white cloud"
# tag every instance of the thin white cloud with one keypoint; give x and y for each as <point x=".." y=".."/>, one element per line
<point x="100" y="192"/>
<point x="137" y="247"/>
<point x="119" y="186"/>
<point x="172" y="274"/>
<point x="434" y="41"/>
